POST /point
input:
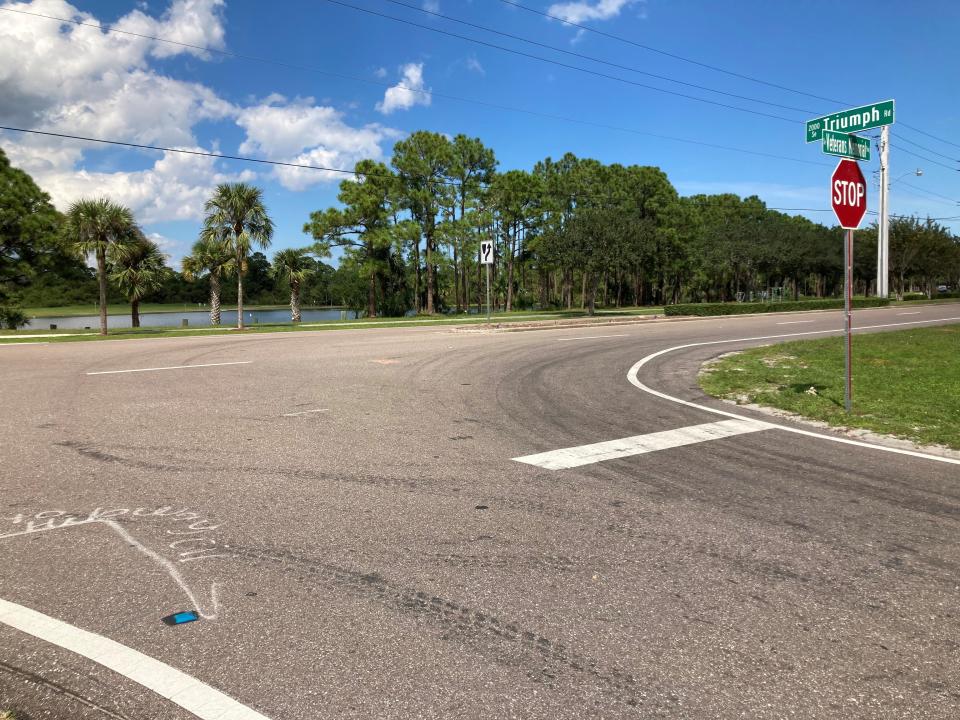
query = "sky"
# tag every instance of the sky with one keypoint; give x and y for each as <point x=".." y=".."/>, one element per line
<point x="321" y="83"/>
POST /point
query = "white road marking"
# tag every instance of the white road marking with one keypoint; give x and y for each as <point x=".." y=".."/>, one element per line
<point x="632" y="377"/>
<point x="189" y="693"/>
<point x="593" y="337"/>
<point x="916" y="312"/>
<point x="20" y="344"/>
<point x="305" y="412"/>
<point x="795" y="322"/>
<point x="640" y="444"/>
<point x="171" y="367"/>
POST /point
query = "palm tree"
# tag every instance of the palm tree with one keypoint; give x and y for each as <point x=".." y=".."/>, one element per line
<point x="93" y="226"/>
<point x="212" y="259"/>
<point x="236" y="218"/>
<point x="294" y="266"/>
<point x="137" y="267"/>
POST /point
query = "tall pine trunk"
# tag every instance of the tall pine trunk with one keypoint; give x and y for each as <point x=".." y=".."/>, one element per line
<point x="429" y="253"/>
<point x="102" y="276"/>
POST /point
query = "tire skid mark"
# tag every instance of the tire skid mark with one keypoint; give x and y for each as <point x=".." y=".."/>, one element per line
<point x="36" y="679"/>
<point x="467" y="621"/>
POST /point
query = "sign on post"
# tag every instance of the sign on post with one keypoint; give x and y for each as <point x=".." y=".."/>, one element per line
<point x="853" y="120"/>
<point x="848" y="194"/>
<point x="846" y="145"/>
<point x="486" y="252"/>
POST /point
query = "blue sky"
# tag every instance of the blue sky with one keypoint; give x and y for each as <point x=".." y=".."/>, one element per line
<point x="77" y="80"/>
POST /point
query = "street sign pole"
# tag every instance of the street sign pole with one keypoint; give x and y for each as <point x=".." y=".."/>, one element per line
<point x="847" y="302"/>
<point x="488" y="293"/>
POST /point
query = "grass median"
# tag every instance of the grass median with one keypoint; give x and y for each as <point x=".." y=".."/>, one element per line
<point x="905" y="383"/>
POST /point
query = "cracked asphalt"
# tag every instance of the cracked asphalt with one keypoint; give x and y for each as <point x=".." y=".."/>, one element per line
<point x="344" y="511"/>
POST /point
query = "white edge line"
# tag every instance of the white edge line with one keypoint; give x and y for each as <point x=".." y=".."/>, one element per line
<point x="632" y="377"/>
<point x="20" y="344"/>
<point x="795" y="322"/>
<point x="171" y="367"/>
<point x="917" y="312"/>
<point x="592" y="337"/>
<point x="176" y="686"/>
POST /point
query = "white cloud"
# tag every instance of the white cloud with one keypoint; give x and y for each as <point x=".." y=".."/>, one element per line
<point x="83" y="81"/>
<point x="408" y="92"/>
<point x="583" y="10"/>
<point x="304" y="133"/>
<point x="380" y="72"/>
<point x="474" y="66"/>
<point x="431" y="5"/>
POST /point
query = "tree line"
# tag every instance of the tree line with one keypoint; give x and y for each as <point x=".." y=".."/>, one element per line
<point x="571" y="232"/>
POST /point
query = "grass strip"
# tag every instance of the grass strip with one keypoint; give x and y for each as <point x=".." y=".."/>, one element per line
<point x="905" y="383"/>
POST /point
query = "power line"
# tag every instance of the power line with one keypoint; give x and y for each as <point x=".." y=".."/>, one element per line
<point x="577" y="68"/>
<point x="241" y="158"/>
<point x="619" y="38"/>
<point x="931" y="192"/>
<point x="922" y="147"/>
<point x="594" y="59"/>
<point x="431" y="93"/>
<point x="922" y="157"/>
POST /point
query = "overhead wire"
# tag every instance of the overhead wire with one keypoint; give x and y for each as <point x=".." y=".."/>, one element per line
<point x="421" y="91"/>
<point x="550" y="61"/>
<point x="582" y="56"/>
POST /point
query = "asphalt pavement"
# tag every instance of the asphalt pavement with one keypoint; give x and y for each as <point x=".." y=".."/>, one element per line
<point x="346" y="513"/>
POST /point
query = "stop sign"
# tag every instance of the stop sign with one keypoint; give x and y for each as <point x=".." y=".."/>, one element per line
<point x="848" y="194"/>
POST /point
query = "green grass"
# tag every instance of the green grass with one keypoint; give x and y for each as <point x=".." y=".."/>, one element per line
<point x="145" y="308"/>
<point x="68" y="335"/>
<point x="905" y="383"/>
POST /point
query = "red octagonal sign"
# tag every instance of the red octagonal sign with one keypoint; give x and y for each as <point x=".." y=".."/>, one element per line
<point x="848" y="194"/>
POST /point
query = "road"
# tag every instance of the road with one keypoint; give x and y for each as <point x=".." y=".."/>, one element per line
<point x="346" y="512"/>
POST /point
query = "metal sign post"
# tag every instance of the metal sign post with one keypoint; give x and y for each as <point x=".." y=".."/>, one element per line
<point x="486" y="258"/>
<point x="848" y="321"/>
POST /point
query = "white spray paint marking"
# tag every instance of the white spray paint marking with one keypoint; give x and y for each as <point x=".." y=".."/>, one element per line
<point x="795" y="322"/>
<point x="48" y="520"/>
<point x="632" y="377"/>
<point x="171" y="367"/>
<point x="916" y="312"/>
<point x="305" y="412"/>
<point x="176" y="686"/>
<point x="592" y="337"/>
<point x="640" y="444"/>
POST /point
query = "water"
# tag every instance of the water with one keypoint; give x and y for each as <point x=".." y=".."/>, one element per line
<point x="195" y="318"/>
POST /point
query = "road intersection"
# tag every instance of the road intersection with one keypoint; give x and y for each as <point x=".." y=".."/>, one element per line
<point x="357" y="517"/>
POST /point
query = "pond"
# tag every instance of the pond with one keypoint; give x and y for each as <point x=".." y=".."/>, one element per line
<point x="194" y="318"/>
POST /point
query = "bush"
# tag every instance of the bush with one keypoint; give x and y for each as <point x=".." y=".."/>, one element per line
<point x="945" y="295"/>
<point x="12" y="318"/>
<point x="704" y="309"/>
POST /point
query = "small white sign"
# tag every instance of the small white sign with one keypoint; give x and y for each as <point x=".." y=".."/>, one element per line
<point x="486" y="252"/>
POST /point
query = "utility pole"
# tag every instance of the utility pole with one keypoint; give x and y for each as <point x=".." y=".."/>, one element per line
<point x="883" y="225"/>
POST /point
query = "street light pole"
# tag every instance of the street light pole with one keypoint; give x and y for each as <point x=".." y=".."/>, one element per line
<point x="883" y="226"/>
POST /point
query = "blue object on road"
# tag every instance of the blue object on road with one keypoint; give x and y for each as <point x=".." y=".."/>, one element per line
<point x="181" y="617"/>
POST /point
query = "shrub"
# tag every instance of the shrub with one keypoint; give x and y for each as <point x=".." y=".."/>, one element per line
<point x="705" y="309"/>
<point x="12" y="318"/>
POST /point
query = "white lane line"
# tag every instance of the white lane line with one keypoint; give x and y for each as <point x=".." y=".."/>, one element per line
<point x="171" y="367"/>
<point x="917" y="312"/>
<point x="21" y="344"/>
<point x="592" y="337"/>
<point x="305" y="412"/>
<point x="640" y="444"/>
<point x="632" y="377"/>
<point x="176" y="686"/>
<point x="795" y="322"/>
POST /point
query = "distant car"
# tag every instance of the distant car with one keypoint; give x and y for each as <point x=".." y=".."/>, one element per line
<point x="942" y="288"/>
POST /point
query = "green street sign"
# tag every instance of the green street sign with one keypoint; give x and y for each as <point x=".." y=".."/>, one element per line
<point x="846" y="145"/>
<point x="853" y="120"/>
